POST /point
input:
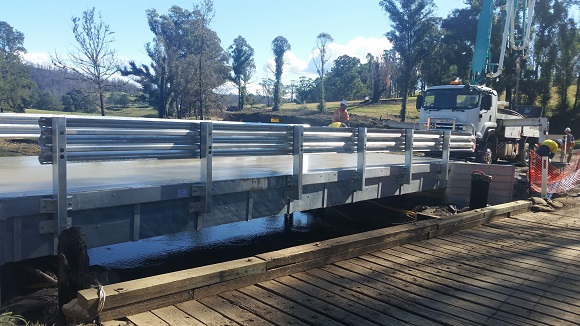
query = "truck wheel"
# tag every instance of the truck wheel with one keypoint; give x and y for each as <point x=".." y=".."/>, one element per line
<point x="488" y="154"/>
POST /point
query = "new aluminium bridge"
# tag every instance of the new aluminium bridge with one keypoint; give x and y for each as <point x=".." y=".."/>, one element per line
<point x="124" y="179"/>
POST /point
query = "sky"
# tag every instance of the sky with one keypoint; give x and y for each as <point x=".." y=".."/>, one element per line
<point x="358" y="27"/>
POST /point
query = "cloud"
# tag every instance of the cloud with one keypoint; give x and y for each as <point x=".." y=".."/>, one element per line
<point x="358" y="48"/>
<point x="40" y="58"/>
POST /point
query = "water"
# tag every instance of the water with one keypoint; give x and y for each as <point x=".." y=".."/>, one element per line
<point x="221" y="243"/>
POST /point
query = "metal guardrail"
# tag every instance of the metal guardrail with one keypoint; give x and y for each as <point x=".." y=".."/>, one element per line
<point x="64" y="139"/>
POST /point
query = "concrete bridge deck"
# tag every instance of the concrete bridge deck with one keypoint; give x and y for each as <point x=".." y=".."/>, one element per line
<point x="514" y="268"/>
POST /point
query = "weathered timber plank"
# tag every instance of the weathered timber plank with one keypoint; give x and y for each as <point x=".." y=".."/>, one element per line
<point x="146" y="319"/>
<point x="341" y="302"/>
<point x="508" y="311"/>
<point x="175" y="317"/>
<point x="440" y="311"/>
<point x="401" y="303"/>
<point x="455" y="286"/>
<point x="539" y="229"/>
<point x="266" y="312"/>
<point x="536" y="254"/>
<point x="298" y="266"/>
<point x="535" y="281"/>
<point x="491" y="255"/>
<point x="324" y="248"/>
<point x="290" y="307"/>
<point x="451" y="305"/>
<point x="233" y="311"/>
<point x="555" y="250"/>
<point x="407" y="317"/>
<point x="117" y="323"/>
<point x="145" y="305"/>
<point x="204" y="313"/>
<point x="321" y="307"/>
<point x="566" y="311"/>
<point x="437" y="265"/>
<point x="129" y="292"/>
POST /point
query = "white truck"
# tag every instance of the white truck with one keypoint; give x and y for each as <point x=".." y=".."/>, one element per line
<point x="500" y="133"/>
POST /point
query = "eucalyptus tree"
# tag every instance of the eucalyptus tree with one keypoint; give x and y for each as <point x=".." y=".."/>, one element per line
<point x="279" y="47"/>
<point x="188" y="62"/>
<point x="306" y="90"/>
<point x="243" y="67"/>
<point x="412" y="22"/>
<point x="569" y="44"/>
<point x="343" y="81"/>
<point x="323" y="41"/>
<point x="93" y="58"/>
<point x="15" y="81"/>
<point x="267" y="90"/>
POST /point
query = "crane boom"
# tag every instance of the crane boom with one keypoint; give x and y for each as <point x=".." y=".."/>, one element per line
<point x="481" y="67"/>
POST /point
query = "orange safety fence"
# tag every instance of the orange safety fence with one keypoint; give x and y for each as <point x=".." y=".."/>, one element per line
<point x="560" y="180"/>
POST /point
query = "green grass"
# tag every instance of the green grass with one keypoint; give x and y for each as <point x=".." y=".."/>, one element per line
<point x="382" y="110"/>
<point x="124" y="112"/>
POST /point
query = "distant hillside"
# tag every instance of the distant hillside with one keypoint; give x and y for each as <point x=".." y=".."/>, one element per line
<point x="59" y="82"/>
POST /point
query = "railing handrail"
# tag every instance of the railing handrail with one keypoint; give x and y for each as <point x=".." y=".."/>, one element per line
<point x="91" y="138"/>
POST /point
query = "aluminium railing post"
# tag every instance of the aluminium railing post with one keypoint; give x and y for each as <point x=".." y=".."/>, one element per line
<point x="59" y="178"/>
<point x="361" y="157"/>
<point x="297" y="161"/>
<point x="445" y="158"/>
<point x="409" y="135"/>
<point x="206" y="156"/>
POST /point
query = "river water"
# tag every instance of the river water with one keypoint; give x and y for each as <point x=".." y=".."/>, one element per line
<point x="221" y="243"/>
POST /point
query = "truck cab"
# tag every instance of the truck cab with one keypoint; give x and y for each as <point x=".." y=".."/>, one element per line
<point x="499" y="132"/>
<point x="459" y="108"/>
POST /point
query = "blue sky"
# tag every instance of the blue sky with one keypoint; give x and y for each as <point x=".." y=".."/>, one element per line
<point x="357" y="26"/>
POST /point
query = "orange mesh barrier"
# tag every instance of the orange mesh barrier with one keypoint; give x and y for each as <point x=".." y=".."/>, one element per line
<point x="559" y="180"/>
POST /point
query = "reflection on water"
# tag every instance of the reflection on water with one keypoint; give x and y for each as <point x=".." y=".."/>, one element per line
<point x="211" y="245"/>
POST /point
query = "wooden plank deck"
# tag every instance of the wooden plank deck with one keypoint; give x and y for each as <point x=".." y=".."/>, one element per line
<point x="519" y="270"/>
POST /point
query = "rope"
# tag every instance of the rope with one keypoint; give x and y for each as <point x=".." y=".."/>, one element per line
<point x="101" y="304"/>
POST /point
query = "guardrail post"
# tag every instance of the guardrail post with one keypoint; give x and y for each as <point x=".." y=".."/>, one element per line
<point x="59" y="178"/>
<point x="361" y="158"/>
<point x="409" y="134"/>
<point x="545" y="165"/>
<point x="297" y="160"/>
<point x="445" y="158"/>
<point x="206" y="155"/>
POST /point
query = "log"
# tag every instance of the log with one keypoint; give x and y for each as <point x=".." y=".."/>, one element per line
<point x="73" y="265"/>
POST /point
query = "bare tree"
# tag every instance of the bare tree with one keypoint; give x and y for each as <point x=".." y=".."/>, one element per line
<point x="323" y="40"/>
<point x="93" y="59"/>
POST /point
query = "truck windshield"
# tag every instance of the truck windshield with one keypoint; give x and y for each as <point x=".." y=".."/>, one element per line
<point x="444" y="99"/>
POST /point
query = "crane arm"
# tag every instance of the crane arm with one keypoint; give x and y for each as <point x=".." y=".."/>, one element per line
<point x="481" y="67"/>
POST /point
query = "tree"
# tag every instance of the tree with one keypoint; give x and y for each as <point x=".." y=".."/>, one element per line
<point x="243" y="66"/>
<point x="15" y="82"/>
<point x="279" y="47"/>
<point x="267" y="90"/>
<point x="188" y="62"/>
<point x="323" y="40"/>
<point x="569" y="48"/>
<point x="343" y="80"/>
<point x="375" y="77"/>
<point x="93" y="60"/>
<point x="306" y="90"/>
<point x="44" y="100"/>
<point x="78" y="101"/>
<point x="412" y="22"/>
